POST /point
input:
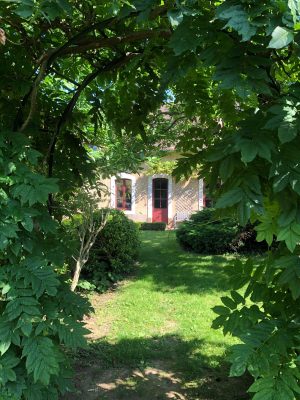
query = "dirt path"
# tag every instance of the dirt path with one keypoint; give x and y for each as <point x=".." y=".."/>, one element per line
<point x="158" y="381"/>
<point x="96" y="382"/>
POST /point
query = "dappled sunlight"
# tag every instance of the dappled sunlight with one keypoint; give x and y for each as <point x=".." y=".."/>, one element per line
<point x="123" y="383"/>
<point x="171" y="269"/>
<point x="152" y="338"/>
<point x="165" y="367"/>
<point x="188" y="276"/>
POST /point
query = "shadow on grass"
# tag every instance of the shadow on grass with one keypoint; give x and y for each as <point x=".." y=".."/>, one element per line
<point x="173" y="269"/>
<point x="164" y="367"/>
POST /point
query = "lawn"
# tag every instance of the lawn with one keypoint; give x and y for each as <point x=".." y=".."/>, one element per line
<point x="152" y="337"/>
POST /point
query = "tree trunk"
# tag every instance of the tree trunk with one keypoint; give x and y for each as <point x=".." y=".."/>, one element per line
<point x="76" y="275"/>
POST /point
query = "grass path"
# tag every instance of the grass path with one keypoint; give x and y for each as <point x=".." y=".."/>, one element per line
<point x="152" y="337"/>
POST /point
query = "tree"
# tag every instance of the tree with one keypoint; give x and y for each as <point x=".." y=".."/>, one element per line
<point x="38" y="311"/>
<point x="90" y="222"/>
<point x="232" y="67"/>
<point x="251" y="49"/>
<point x="57" y="65"/>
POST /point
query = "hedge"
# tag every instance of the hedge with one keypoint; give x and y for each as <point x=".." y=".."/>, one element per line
<point x="153" y="226"/>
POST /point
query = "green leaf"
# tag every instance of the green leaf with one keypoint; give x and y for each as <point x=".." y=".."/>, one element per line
<point x="227" y="167"/>
<point x="291" y="380"/>
<point x="290" y="276"/>
<point x="6" y="288"/>
<point x="281" y="37"/>
<point x="238" y="19"/>
<point x="243" y="212"/>
<point x="25" y="324"/>
<point x="228" y="302"/>
<point x="7" y="363"/>
<point x="40" y="277"/>
<point x="4" y="346"/>
<point x="264" y="150"/>
<point x="237" y="297"/>
<point x="24" y="11"/>
<point x="230" y="198"/>
<point x="175" y="17"/>
<point x="287" y="217"/>
<point x="72" y="334"/>
<point x="66" y="6"/>
<point x="287" y="132"/>
<point x="262" y="384"/>
<point x="187" y="36"/>
<point x="219" y="322"/>
<point x="28" y="223"/>
<point x="41" y="359"/>
<point x="249" y="151"/>
<point x="267" y="228"/>
<point x="291" y="235"/>
<point x="240" y="355"/>
<point x="220" y="310"/>
<point x="295" y="9"/>
<point x="52" y="10"/>
<point x="265" y="394"/>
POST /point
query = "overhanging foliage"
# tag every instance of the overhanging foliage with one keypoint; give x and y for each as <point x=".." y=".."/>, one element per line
<point x="72" y="71"/>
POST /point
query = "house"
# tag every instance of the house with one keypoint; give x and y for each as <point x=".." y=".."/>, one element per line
<point x="155" y="197"/>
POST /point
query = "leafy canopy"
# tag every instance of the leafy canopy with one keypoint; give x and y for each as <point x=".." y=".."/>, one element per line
<point x="76" y="73"/>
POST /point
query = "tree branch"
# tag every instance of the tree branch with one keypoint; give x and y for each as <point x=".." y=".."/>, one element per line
<point x="58" y="73"/>
<point x="100" y="26"/>
<point x="71" y="47"/>
<point x="174" y="123"/>
<point x="117" y="63"/>
<point x="33" y="94"/>
<point x="47" y="59"/>
<point x="93" y="44"/>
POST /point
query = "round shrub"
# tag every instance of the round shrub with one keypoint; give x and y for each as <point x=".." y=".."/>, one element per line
<point x="206" y="234"/>
<point x="115" y="250"/>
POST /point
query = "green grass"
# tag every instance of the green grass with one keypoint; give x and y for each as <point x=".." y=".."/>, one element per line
<point x="164" y="313"/>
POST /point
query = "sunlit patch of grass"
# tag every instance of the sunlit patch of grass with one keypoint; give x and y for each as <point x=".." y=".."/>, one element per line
<point x="165" y="313"/>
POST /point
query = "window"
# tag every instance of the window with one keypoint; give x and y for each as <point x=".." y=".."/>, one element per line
<point x="124" y="194"/>
<point x="208" y="199"/>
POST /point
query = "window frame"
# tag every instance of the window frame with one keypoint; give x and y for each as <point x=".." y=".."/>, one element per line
<point x="113" y="197"/>
<point x="124" y="188"/>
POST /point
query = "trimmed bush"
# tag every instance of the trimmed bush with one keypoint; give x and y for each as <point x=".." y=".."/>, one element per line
<point x="114" y="253"/>
<point x="206" y="234"/>
<point x="153" y="226"/>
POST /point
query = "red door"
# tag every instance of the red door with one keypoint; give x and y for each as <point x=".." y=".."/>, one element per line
<point x="160" y="200"/>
